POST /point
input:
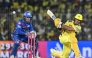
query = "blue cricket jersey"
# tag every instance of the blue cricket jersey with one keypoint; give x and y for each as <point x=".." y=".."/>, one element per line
<point x="22" y="28"/>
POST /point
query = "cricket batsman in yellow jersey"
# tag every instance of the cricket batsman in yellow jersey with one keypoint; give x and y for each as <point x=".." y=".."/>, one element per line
<point x="68" y="37"/>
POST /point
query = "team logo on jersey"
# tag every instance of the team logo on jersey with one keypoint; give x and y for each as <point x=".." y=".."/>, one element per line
<point x="77" y="29"/>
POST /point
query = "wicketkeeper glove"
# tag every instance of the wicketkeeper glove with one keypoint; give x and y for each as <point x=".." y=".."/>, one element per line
<point x="31" y="32"/>
<point x="34" y="33"/>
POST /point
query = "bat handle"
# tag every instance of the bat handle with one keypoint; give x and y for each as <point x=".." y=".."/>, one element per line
<point x="53" y="17"/>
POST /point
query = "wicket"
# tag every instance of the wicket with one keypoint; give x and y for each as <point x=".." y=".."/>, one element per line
<point x="31" y="45"/>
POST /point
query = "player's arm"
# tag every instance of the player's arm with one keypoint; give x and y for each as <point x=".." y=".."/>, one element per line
<point x="64" y="27"/>
<point x="59" y="24"/>
<point x="19" y="28"/>
<point x="70" y="28"/>
<point x="60" y="29"/>
<point x="31" y="27"/>
<point x="76" y="28"/>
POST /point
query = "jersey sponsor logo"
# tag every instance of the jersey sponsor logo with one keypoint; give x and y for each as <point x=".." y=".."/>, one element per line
<point x="28" y="26"/>
<point x="19" y="26"/>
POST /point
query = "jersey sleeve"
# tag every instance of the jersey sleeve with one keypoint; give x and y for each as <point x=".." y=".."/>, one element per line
<point x="19" y="28"/>
<point x="67" y="23"/>
<point x="77" y="28"/>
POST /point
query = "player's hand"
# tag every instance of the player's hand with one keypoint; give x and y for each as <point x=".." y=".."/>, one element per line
<point x="58" y="22"/>
<point x="27" y="33"/>
<point x="34" y="32"/>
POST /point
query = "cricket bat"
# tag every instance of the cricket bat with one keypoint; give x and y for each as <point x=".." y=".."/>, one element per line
<point x="50" y="13"/>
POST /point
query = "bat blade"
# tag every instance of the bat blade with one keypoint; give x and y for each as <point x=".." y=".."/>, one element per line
<point x="50" y="13"/>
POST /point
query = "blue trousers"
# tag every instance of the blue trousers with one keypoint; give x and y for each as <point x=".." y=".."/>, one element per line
<point x="17" y="40"/>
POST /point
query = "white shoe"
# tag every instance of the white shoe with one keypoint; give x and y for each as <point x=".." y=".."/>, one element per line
<point x="80" y="57"/>
<point x="38" y="57"/>
<point x="55" y="53"/>
<point x="52" y="57"/>
<point x="12" y="56"/>
<point x="51" y="50"/>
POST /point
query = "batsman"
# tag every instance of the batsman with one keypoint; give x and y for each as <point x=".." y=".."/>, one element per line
<point x="68" y="36"/>
<point x="23" y="27"/>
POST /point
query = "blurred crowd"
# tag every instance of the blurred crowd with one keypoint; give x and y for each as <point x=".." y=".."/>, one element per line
<point x="12" y="11"/>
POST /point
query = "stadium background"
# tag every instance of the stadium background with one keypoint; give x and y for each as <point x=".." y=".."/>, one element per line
<point x="12" y="10"/>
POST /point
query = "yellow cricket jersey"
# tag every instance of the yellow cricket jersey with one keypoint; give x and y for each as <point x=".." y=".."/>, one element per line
<point x="71" y="34"/>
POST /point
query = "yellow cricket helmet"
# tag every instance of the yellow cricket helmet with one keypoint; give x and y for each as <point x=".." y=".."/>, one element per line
<point x="79" y="17"/>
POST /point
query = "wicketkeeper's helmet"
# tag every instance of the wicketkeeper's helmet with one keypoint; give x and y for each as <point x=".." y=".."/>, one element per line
<point x="27" y="14"/>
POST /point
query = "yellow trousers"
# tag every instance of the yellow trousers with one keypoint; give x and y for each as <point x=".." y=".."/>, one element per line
<point x="75" y="48"/>
<point x="67" y="46"/>
<point x="66" y="50"/>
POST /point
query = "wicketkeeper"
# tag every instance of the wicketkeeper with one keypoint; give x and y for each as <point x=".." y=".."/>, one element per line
<point x="20" y="34"/>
